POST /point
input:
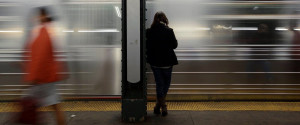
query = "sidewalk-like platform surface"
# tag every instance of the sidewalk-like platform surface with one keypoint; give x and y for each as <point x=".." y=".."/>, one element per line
<point x="181" y="113"/>
<point x="179" y="118"/>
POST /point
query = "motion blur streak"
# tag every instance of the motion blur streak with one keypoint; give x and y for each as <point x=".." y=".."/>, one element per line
<point x="223" y="44"/>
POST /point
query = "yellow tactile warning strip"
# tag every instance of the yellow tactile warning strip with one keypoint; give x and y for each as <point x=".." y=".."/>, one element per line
<point x="193" y="106"/>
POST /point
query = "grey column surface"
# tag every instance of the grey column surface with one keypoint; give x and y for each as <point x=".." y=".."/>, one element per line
<point x="134" y="99"/>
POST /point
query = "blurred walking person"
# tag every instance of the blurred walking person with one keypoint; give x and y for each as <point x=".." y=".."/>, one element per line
<point x="160" y="43"/>
<point x="262" y="40"/>
<point x="42" y="69"/>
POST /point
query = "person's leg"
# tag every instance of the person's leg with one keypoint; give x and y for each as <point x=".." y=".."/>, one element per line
<point x="296" y="68"/>
<point x="52" y="99"/>
<point x="266" y="66"/>
<point x="159" y="80"/>
<point x="167" y="73"/>
<point x="60" y="118"/>
<point x="251" y="67"/>
<point x="158" y="76"/>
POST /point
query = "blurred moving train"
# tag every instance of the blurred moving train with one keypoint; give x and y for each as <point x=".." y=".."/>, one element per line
<point x="219" y="50"/>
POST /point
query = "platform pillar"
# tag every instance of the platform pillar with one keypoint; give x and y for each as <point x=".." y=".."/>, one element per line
<point x="134" y="89"/>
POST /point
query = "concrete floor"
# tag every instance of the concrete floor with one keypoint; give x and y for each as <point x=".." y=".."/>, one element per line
<point x="179" y="118"/>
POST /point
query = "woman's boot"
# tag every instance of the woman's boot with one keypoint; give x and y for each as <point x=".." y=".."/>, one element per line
<point x="164" y="110"/>
<point x="158" y="106"/>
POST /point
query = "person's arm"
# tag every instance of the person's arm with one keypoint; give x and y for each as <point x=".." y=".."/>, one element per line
<point x="173" y="39"/>
<point x="147" y="40"/>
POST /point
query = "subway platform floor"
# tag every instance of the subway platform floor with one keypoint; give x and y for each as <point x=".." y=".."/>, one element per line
<point x="181" y="113"/>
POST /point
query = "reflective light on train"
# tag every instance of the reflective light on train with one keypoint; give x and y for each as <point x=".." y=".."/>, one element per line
<point x="281" y="28"/>
<point x="190" y="29"/>
<point x="99" y="30"/>
<point x="11" y="31"/>
<point x="118" y="11"/>
<point x="68" y="31"/>
<point x="244" y="28"/>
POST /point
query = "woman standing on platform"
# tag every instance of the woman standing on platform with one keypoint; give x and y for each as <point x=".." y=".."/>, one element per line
<point x="161" y="42"/>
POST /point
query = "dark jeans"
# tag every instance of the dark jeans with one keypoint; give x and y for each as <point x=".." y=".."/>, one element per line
<point x="259" y="66"/>
<point x="163" y="80"/>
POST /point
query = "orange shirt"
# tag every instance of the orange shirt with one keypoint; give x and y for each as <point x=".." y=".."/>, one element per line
<point x="42" y="66"/>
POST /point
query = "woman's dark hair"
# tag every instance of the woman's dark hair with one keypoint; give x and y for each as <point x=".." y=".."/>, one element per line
<point x="43" y="11"/>
<point x="160" y="17"/>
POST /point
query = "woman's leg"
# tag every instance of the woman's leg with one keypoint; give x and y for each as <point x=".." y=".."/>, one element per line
<point x="158" y="75"/>
<point x="60" y="118"/>
<point x="167" y="73"/>
<point x="159" y="80"/>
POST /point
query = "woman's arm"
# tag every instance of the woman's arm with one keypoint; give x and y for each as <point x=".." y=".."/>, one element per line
<point x="173" y="39"/>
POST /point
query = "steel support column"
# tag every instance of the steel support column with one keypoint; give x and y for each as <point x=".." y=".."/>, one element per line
<point x="134" y="94"/>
